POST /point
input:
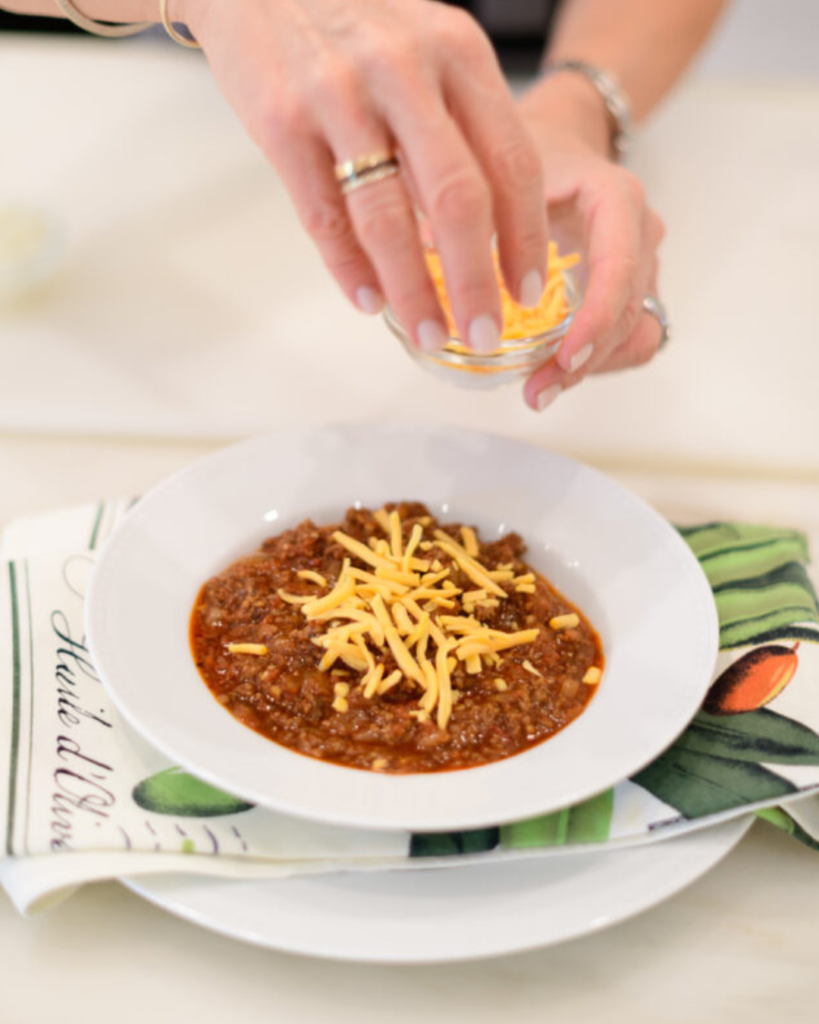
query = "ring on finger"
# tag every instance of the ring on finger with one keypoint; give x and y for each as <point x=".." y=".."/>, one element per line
<point x="653" y="306"/>
<point x="366" y="170"/>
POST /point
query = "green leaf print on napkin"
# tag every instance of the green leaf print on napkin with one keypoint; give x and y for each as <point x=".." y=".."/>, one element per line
<point x="588" y="822"/>
<point x="748" y="607"/>
<point x="756" y="736"/>
<point x="697" y="783"/>
<point x="761" y="586"/>
<point x="733" y="548"/>
<point x="445" y="844"/>
<point x="781" y="819"/>
<point x="174" y="792"/>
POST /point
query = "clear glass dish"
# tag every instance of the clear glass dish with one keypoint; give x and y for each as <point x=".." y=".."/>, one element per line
<point x="512" y="362"/>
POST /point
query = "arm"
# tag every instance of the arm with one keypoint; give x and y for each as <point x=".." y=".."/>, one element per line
<point x="646" y="46"/>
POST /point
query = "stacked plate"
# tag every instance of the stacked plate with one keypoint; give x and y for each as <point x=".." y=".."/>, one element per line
<point x="603" y="548"/>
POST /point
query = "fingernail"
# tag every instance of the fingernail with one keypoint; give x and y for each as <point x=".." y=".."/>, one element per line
<point x="484" y="336"/>
<point x="581" y="358"/>
<point x="547" y="396"/>
<point x="369" y="300"/>
<point x="431" y="336"/>
<point x="531" y="289"/>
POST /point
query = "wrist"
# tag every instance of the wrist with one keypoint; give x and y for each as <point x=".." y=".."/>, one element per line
<point x="186" y="12"/>
<point x="566" y="108"/>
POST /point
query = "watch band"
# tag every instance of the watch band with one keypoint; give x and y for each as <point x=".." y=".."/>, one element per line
<point x="613" y="97"/>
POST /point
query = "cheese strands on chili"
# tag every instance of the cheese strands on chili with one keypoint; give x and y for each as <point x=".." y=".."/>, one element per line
<point x="375" y="612"/>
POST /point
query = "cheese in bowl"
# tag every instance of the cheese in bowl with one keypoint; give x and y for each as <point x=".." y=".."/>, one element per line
<point x="530" y="337"/>
<point x="394" y="643"/>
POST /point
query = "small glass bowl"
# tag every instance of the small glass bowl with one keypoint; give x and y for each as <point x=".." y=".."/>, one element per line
<point x="513" y="361"/>
<point x="31" y="249"/>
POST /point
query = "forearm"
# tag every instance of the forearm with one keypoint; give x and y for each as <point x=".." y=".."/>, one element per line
<point x="646" y="46"/>
<point x="119" y="11"/>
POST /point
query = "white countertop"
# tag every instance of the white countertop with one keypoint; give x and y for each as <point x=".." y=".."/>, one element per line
<point x="739" y="945"/>
<point x="186" y="279"/>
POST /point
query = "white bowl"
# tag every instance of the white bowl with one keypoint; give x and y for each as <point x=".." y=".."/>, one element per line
<point x="605" y="550"/>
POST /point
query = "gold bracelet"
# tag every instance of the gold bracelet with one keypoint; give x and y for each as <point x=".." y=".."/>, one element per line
<point x="177" y="38"/>
<point x="100" y="28"/>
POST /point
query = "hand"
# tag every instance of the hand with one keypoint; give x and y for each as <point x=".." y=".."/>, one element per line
<point x="600" y="208"/>
<point x="318" y="82"/>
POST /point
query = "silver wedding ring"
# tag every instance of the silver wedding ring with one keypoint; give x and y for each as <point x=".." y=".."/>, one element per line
<point x="366" y="170"/>
<point x="652" y="305"/>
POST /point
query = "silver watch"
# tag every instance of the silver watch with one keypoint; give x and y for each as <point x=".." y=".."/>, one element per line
<point x="613" y="97"/>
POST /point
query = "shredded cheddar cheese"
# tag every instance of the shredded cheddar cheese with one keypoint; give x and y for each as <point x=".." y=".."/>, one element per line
<point x="386" y="601"/>
<point x="258" y="649"/>
<point x="314" y="577"/>
<point x="295" y="598"/>
<point x="564" y="622"/>
<point x="470" y="541"/>
<point x="518" y="322"/>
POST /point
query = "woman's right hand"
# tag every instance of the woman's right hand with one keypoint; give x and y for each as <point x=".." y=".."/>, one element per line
<point x="318" y="82"/>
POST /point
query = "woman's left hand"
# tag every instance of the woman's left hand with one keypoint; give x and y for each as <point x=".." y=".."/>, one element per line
<point x="600" y="208"/>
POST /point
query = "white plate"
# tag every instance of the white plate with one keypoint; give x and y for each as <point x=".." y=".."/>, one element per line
<point x="604" y="548"/>
<point x="453" y="914"/>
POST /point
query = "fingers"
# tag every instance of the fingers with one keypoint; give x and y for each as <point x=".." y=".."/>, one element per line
<point x="614" y="227"/>
<point x="333" y="84"/>
<point x="547" y="384"/>
<point x="458" y="206"/>
<point x="469" y="164"/>
<point x="482" y="105"/>
<point x="306" y="167"/>
<point x="447" y="176"/>
<point x="644" y="341"/>
<point x="386" y="226"/>
<point x="640" y="345"/>
<point x="621" y="349"/>
<point x="380" y="216"/>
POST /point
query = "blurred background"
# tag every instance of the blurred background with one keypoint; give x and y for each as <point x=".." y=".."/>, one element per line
<point x="756" y="35"/>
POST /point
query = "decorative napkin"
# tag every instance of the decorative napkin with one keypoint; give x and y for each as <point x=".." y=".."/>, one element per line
<point x="82" y="797"/>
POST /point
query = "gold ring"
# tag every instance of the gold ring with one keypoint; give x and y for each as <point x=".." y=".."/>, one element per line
<point x="366" y="170"/>
<point x="352" y="168"/>
<point x="369" y="177"/>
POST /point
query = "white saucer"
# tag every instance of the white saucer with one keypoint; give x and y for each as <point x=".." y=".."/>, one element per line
<point x="462" y="913"/>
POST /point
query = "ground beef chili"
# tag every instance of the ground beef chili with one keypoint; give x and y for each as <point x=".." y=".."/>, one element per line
<point x="286" y="697"/>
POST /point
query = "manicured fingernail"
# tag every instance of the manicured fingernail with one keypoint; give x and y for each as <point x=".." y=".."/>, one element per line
<point x="484" y="336"/>
<point x="431" y="336"/>
<point x="531" y="289"/>
<point x="370" y="300"/>
<point x="547" y="396"/>
<point x="581" y="358"/>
